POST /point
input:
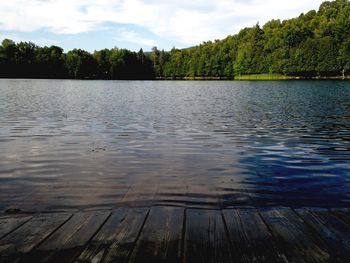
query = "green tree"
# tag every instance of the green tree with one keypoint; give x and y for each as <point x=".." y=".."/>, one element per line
<point x="80" y="64"/>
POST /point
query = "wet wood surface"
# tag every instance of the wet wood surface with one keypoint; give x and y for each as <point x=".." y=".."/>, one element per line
<point x="175" y="234"/>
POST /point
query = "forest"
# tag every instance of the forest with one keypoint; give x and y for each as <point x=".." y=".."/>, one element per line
<point x="315" y="44"/>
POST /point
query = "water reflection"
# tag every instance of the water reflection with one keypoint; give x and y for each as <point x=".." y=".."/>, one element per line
<point x="95" y="144"/>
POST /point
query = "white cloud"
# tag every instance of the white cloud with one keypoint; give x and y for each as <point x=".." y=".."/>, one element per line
<point x="125" y="35"/>
<point x="181" y="21"/>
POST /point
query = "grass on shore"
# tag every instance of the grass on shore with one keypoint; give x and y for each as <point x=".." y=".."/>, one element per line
<point x="265" y="77"/>
<point x="287" y="77"/>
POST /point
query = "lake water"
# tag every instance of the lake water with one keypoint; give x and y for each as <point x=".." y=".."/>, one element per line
<point x="102" y="144"/>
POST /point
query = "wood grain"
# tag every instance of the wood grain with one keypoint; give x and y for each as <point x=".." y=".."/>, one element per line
<point x="205" y="237"/>
<point x="161" y="237"/>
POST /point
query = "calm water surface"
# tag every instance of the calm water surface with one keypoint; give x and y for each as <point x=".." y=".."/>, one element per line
<point x="101" y="144"/>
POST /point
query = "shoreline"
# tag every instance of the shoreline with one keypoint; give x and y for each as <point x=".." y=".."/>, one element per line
<point x="252" y="77"/>
<point x="258" y="77"/>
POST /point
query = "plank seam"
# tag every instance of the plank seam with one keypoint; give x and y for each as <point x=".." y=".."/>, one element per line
<point x="88" y="242"/>
<point x="17" y="227"/>
<point x="227" y="232"/>
<point x="138" y="234"/>
<point x="136" y="240"/>
<point x="48" y="236"/>
<point x="183" y="235"/>
<point x="266" y="224"/>
<point x="321" y="241"/>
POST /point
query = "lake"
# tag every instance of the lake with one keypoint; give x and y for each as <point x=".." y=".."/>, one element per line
<point x="67" y="145"/>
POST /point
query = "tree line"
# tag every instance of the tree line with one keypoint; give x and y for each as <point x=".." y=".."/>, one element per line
<point x="314" y="44"/>
<point x="27" y="60"/>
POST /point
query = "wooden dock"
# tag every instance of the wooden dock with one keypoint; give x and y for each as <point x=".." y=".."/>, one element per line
<point x="173" y="234"/>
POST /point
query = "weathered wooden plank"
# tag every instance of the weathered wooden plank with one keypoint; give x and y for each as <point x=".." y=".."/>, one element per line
<point x="205" y="237"/>
<point x="68" y="241"/>
<point x="331" y="229"/>
<point x="8" y="224"/>
<point x="116" y="239"/>
<point x="104" y="238"/>
<point x="250" y="237"/>
<point x="343" y="214"/>
<point x="161" y="237"/>
<point x="25" y="238"/>
<point x="293" y="236"/>
<point x="280" y="235"/>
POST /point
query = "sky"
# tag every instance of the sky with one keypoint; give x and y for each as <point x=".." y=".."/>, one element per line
<point x="135" y="24"/>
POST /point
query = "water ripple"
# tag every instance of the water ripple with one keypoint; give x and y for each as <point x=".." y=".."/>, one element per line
<point x="81" y="144"/>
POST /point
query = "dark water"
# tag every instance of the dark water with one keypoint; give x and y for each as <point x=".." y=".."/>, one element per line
<point x="98" y="144"/>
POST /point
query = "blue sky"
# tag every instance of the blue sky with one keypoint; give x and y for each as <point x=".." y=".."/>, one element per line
<point x="135" y="24"/>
